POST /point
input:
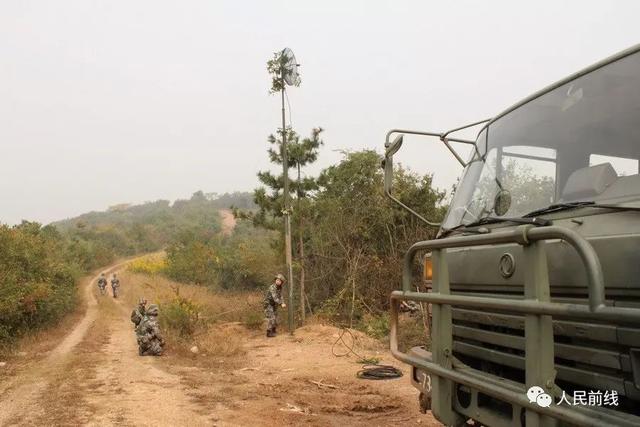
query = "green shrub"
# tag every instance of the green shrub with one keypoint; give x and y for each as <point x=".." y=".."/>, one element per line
<point x="377" y="326"/>
<point x="37" y="283"/>
<point x="243" y="260"/>
<point x="182" y="316"/>
<point x="192" y="261"/>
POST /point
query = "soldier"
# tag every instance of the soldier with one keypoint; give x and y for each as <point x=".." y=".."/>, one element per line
<point x="138" y="313"/>
<point x="150" y="340"/>
<point x="102" y="284"/>
<point x="273" y="299"/>
<point x="115" y="284"/>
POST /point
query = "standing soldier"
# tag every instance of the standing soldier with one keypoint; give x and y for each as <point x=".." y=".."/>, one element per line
<point x="273" y="299"/>
<point x="139" y="312"/>
<point x="102" y="284"/>
<point x="115" y="284"/>
<point x="150" y="340"/>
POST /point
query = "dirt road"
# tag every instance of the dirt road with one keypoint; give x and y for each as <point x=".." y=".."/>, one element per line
<point x="95" y="377"/>
<point x="228" y="221"/>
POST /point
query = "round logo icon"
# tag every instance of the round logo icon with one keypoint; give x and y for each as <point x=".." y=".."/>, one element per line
<point x="507" y="265"/>
<point x="537" y="395"/>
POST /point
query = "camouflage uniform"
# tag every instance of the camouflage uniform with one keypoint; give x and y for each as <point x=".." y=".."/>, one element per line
<point x="115" y="284"/>
<point x="272" y="299"/>
<point x="138" y="313"/>
<point x="150" y="340"/>
<point x="102" y="284"/>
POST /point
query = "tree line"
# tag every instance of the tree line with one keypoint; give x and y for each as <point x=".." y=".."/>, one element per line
<point x="349" y="239"/>
<point x="40" y="265"/>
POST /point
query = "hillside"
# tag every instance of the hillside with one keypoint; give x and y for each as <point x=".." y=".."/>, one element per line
<point x="160" y="211"/>
<point x="40" y="265"/>
<point x="124" y="230"/>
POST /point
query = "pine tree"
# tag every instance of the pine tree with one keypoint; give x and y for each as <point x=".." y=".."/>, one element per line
<point x="300" y="153"/>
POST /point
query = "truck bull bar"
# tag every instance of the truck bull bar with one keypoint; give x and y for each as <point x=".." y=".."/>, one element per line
<point x="446" y="371"/>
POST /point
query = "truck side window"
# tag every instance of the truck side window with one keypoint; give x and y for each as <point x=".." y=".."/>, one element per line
<point x="622" y="165"/>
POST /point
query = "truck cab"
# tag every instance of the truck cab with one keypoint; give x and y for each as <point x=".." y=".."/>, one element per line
<point x="533" y="281"/>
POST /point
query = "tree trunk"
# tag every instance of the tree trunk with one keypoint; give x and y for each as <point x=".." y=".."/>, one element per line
<point x="354" y="272"/>
<point x="302" y="293"/>
<point x="303" y="311"/>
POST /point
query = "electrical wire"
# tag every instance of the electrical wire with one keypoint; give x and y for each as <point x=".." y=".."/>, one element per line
<point x="371" y="370"/>
<point x="286" y="94"/>
<point x="378" y="372"/>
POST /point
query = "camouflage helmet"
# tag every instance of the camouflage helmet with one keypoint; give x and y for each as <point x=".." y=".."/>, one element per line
<point x="142" y="301"/>
<point x="153" y="310"/>
<point x="281" y="277"/>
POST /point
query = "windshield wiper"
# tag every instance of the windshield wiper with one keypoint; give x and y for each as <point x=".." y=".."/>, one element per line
<point x="493" y="219"/>
<point x="532" y="217"/>
<point x="557" y="207"/>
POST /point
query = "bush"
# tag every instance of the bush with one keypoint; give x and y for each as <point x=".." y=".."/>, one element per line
<point x="182" y="316"/>
<point x="37" y="283"/>
<point x="192" y="261"/>
<point x="377" y="326"/>
<point x="151" y="265"/>
<point x="244" y="260"/>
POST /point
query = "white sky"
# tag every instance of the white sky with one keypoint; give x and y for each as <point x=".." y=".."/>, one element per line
<point x="103" y="102"/>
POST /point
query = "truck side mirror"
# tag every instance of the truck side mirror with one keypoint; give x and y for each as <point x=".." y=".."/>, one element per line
<point x="502" y="202"/>
<point x="387" y="163"/>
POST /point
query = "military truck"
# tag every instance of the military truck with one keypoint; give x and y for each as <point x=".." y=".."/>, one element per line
<point x="533" y="280"/>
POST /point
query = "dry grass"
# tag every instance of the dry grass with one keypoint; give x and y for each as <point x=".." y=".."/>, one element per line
<point x="411" y="332"/>
<point x="221" y="340"/>
<point x="221" y="316"/>
<point x="217" y="307"/>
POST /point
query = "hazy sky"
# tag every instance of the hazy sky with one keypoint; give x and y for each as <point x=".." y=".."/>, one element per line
<point x="103" y="102"/>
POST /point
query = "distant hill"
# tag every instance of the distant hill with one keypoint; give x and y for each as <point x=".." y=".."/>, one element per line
<point x="123" y="229"/>
<point x="159" y="211"/>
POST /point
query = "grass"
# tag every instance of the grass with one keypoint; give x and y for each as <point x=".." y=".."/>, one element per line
<point x="194" y="315"/>
<point x="253" y="319"/>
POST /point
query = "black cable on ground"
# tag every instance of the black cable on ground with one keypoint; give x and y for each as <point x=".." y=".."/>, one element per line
<point x="378" y="372"/>
<point x="369" y="371"/>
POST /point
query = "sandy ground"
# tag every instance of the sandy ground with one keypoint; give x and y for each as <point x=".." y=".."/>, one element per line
<point x="94" y="376"/>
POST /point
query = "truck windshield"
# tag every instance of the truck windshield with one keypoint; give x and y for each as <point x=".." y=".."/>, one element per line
<point x="577" y="142"/>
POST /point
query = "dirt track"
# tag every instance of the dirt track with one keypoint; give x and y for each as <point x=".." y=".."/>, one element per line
<point x="95" y="377"/>
<point x="228" y="221"/>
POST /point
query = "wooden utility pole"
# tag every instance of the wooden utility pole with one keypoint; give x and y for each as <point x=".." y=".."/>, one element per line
<point x="287" y="211"/>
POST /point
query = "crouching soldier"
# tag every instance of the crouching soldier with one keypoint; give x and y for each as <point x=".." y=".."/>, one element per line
<point x="138" y="313"/>
<point x="273" y="299"/>
<point x="150" y="340"/>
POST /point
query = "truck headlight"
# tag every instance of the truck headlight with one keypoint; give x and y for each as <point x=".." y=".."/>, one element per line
<point x="428" y="268"/>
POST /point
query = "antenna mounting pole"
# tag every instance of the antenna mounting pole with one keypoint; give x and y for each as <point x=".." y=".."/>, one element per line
<point x="286" y="211"/>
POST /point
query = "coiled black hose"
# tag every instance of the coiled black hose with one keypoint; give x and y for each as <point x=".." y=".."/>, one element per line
<point x="369" y="371"/>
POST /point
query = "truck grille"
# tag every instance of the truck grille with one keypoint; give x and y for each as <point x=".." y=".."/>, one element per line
<point x="588" y="356"/>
